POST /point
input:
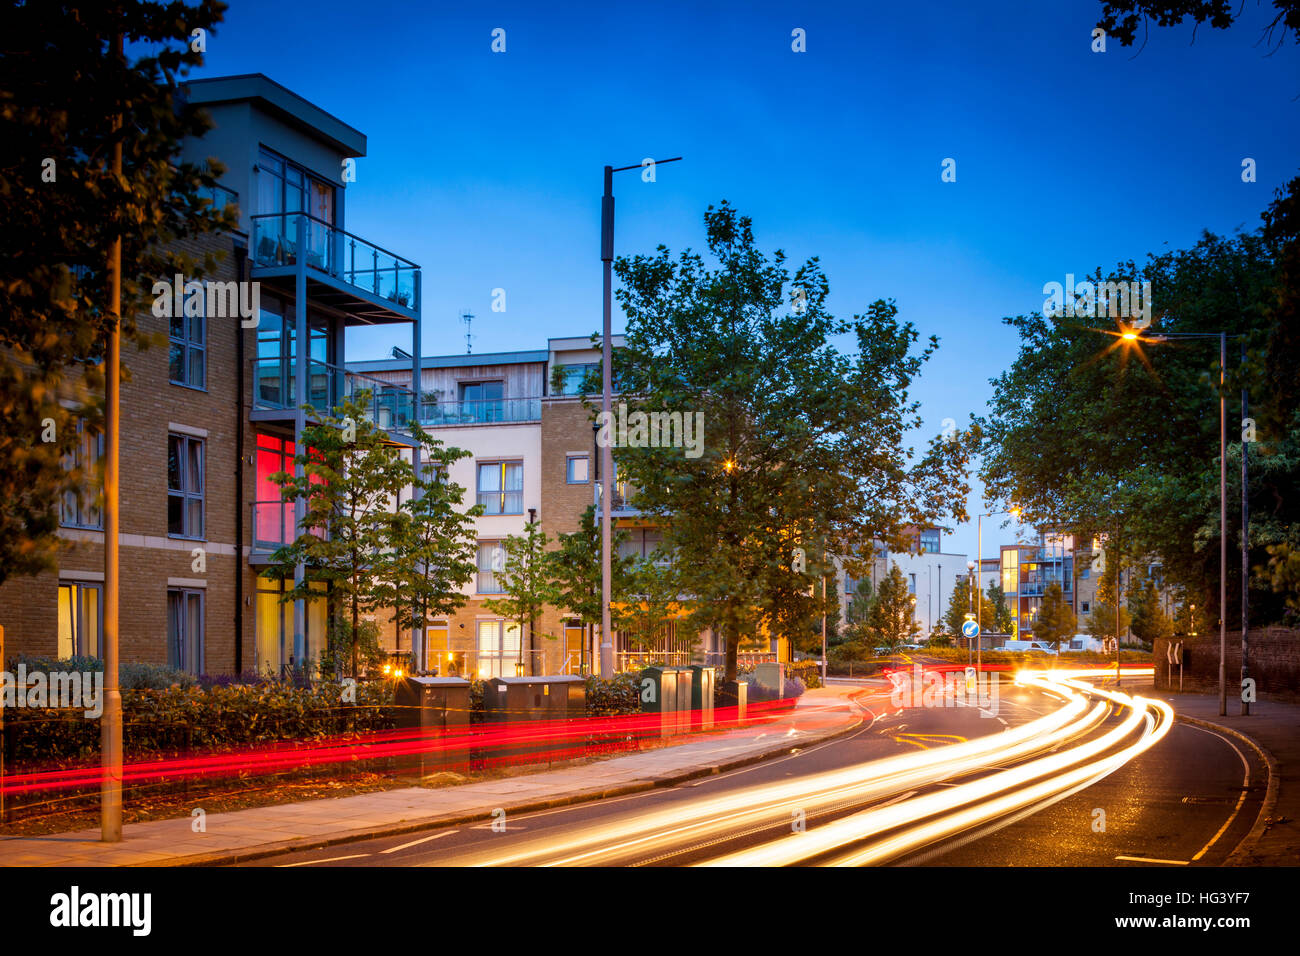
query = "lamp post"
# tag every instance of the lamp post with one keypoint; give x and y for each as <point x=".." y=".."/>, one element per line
<point x="970" y="594"/>
<point x="606" y="406"/>
<point x="979" y="560"/>
<point x="1133" y="336"/>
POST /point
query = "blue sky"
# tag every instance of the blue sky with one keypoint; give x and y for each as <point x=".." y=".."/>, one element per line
<point x="485" y="167"/>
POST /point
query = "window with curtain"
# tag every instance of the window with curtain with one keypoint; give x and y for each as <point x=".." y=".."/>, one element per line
<point x="82" y="511"/>
<point x="81" y="618"/>
<point x="187" y="343"/>
<point x="491" y="559"/>
<point x="184" y="486"/>
<point x="501" y="487"/>
<point x="185" y="630"/>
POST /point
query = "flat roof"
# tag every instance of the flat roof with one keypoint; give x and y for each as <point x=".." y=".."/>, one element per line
<point x="452" y="361"/>
<point x="281" y="102"/>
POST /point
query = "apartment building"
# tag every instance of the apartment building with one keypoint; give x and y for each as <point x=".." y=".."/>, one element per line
<point x="207" y="421"/>
<point x="930" y="572"/>
<point x="532" y="456"/>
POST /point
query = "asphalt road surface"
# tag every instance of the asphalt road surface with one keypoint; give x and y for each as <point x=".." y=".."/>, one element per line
<point x="1186" y="801"/>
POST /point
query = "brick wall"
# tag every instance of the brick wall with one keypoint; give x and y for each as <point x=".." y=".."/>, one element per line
<point x="1274" y="663"/>
<point x="148" y="559"/>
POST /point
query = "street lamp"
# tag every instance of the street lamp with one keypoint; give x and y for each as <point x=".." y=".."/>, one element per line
<point x="606" y="406"/>
<point x="979" y="557"/>
<point x="1133" y="337"/>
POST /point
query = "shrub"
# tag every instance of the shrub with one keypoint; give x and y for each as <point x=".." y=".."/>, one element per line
<point x="616" y="697"/>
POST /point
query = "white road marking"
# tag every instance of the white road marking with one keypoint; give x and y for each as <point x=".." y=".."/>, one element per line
<point x="331" y="859"/>
<point x="404" y="846"/>
<point x="1245" y="783"/>
<point x="1147" y="859"/>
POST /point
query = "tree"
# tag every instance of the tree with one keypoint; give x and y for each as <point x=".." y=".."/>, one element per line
<point x="1189" y="618"/>
<point x="349" y="477"/>
<point x="1002" y="619"/>
<point x="575" y="570"/>
<point x="525" y="579"/>
<point x="800" y="448"/>
<point x="1102" y="623"/>
<point x="891" y="621"/>
<point x="1121" y="18"/>
<point x="60" y="210"/>
<point x="1150" y="622"/>
<point x="859" y="605"/>
<point x="960" y="604"/>
<point x="654" y="598"/>
<point x="1055" y="620"/>
<point x="1101" y="436"/>
<point x="432" y="549"/>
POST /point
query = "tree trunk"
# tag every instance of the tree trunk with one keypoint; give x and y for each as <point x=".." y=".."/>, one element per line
<point x="355" y="624"/>
<point x="733" y="647"/>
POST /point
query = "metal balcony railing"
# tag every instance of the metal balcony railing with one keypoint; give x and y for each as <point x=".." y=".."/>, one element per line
<point x="279" y="238"/>
<point x="483" y="411"/>
<point x="389" y="406"/>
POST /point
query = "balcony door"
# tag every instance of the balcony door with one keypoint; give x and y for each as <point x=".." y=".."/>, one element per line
<point x="284" y="189"/>
<point x="277" y="355"/>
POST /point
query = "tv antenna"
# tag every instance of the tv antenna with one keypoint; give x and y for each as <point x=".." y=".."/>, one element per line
<point x="468" y="319"/>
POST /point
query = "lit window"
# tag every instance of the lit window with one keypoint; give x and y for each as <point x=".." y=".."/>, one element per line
<point x="491" y="559"/>
<point x="80" y="619"/>
<point x="501" y="487"/>
<point x="185" y="630"/>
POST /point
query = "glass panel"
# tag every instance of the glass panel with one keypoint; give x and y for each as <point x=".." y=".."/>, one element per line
<point x="194" y="527"/>
<point x="194" y="467"/>
<point x="173" y="463"/>
<point x="174" y="625"/>
<point x="67" y="637"/>
<point x="90" y="621"/>
<point x="510" y="640"/>
<point x="577" y="471"/>
<point x="175" y="515"/>
<point x="176" y="363"/>
<point x="198" y="369"/>
<point x="193" y="646"/>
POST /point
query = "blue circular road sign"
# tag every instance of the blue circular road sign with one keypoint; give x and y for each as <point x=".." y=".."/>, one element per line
<point x="970" y="629"/>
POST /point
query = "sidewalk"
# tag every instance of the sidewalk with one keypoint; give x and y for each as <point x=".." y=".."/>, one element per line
<point x="1274" y="729"/>
<point x="249" y="834"/>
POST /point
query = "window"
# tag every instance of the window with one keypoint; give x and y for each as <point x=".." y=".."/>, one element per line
<point x="498" y="648"/>
<point x="82" y="511"/>
<point x="185" y="630"/>
<point x="1085" y="572"/>
<point x="911" y="584"/>
<point x="929" y="541"/>
<point x="501" y="487"/>
<point x="483" y="401"/>
<point x="491" y="559"/>
<point x="576" y="469"/>
<point x="187" y="361"/>
<point x="274" y="626"/>
<point x="1085" y="606"/>
<point x="184" y="486"/>
<point x="569" y="378"/>
<point x="81" y="617"/>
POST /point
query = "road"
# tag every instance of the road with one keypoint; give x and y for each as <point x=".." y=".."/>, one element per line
<point x="1187" y="800"/>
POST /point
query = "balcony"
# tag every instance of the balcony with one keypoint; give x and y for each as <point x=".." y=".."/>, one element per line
<point x="497" y="411"/>
<point x="343" y="270"/>
<point x="272" y="525"/>
<point x="389" y="406"/>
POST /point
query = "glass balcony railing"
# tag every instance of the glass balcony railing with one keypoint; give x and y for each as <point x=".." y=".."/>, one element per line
<point x="388" y="405"/>
<point x="484" y="411"/>
<point x="220" y="196"/>
<point x="273" y="525"/>
<point x="279" y="238"/>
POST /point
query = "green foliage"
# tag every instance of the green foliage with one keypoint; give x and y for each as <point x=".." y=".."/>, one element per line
<point x="1150" y="622"/>
<point x="1055" y="621"/>
<point x="525" y="579"/>
<point x="350" y="478"/>
<point x="60" y="83"/>
<point x="891" y="620"/>
<point x="1282" y="574"/>
<point x="1101" y="623"/>
<point x="1002" y="618"/>
<point x="166" y="720"/>
<point x="616" y="697"/>
<point x="575" y="569"/>
<point x="960" y="603"/>
<point x="804" y="446"/>
<point x="432" y="546"/>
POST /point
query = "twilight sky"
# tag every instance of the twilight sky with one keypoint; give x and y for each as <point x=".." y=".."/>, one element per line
<point x="485" y="168"/>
